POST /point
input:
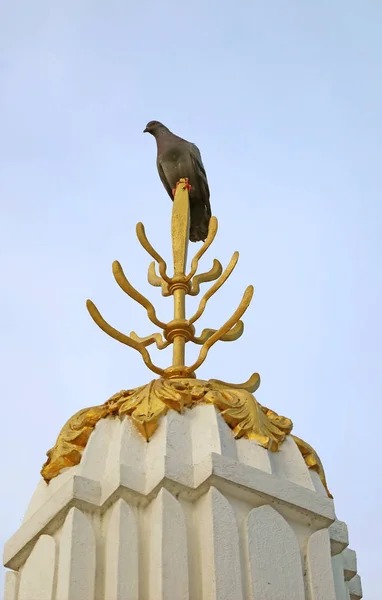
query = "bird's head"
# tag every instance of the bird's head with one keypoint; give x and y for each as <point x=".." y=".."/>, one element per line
<point x="154" y="127"/>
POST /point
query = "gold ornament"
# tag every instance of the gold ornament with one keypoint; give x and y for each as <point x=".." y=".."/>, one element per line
<point x="147" y="404"/>
<point x="177" y="388"/>
<point x="312" y="460"/>
<point x="179" y="330"/>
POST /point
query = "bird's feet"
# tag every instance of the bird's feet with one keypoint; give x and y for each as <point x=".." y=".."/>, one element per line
<point x="186" y="186"/>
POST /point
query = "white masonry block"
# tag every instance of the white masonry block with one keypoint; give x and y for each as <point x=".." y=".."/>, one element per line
<point x="77" y="558"/>
<point x="274" y="557"/>
<point x="37" y="574"/>
<point x="167" y="559"/>
<point x="319" y="567"/>
<point x="355" y="588"/>
<point x="10" y="589"/>
<point x="122" y="551"/>
<point x="219" y="548"/>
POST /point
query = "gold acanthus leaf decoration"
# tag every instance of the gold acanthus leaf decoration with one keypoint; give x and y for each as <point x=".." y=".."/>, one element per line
<point x="72" y="439"/>
<point x="312" y="460"/>
<point x="247" y="418"/>
<point x="146" y="404"/>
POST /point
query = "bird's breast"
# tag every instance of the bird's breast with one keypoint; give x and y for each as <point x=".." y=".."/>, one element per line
<point x="172" y="156"/>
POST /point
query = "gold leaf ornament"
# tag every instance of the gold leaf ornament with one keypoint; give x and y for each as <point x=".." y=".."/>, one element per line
<point x="72" y="440"/>
<point x="146" y="404"/>
<point x="312" y="461"/>
<point x="247" y="418"/>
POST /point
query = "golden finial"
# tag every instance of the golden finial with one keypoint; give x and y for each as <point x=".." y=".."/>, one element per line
<point x="177" y="388"/>
<point x="180" y="330"/>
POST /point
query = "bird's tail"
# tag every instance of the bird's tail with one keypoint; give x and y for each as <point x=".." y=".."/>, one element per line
<point x="200" y="220"/>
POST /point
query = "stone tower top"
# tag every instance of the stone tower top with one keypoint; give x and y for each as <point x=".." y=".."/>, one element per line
<point x="224" y="503"/>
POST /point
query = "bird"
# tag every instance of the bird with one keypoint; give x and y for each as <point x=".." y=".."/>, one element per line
<point x="177" y="158"/>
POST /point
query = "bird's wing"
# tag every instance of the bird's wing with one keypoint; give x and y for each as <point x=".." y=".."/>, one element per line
<point x="201" y="173"/>
<point x="197" y="160"/>
<point x="164" y="179"/>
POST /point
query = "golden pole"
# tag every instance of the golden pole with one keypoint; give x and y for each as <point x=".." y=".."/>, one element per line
<point x="179" y="344"/>
<point x="180" y="230"/>
<point x="180" y="330"/>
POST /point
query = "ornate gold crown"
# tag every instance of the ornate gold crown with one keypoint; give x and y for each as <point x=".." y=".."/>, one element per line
<point x="177" y="387"/>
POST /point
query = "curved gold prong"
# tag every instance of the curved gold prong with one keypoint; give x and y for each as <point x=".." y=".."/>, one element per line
<point x="215" y="287"/>
<point x="152" y="277"/>
<point x="251" y="385"/>
<point x="212" y="229"/>
<point x="245" y="302"/>
<point x="211" y="275"/>
<point x="126" y="286"/>
<point x="157" y="281"/>
<point x="154" y="338"/>
<point x="121" y="337"/>
<point x="232" y="335"/>
<point x="141" y="235"/>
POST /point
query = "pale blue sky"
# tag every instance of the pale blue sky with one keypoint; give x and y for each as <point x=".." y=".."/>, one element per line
<point x="284" y="100"/>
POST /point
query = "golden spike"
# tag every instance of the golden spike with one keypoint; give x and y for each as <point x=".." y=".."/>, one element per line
<point x="214" y="288"/>
<point x="245" y="302"/>
<point x="121" y="337"/>
<point x="154" y="338"/>
<point x="232" y="335"/>
<point x="211" y="275"/>
<point x="180" y="232"/>
<point x="212" y="230"/>
<point x="141" y="235"/>
<point x="126" y="286"/>
<point x="180" y="227"/>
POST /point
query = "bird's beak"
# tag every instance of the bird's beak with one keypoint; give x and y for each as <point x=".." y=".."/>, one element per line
<point x="145" y="130"/>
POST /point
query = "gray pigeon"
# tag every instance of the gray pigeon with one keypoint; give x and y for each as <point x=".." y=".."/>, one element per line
<point x="178" y="158"/>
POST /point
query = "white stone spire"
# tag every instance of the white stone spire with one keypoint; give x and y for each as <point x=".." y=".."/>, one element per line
<point x="223" y="503"/>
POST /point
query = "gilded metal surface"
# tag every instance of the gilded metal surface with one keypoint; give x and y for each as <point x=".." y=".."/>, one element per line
<point x="180" y="330"/>
<point x="71" y="440"/>
<point x="147" y="404"/>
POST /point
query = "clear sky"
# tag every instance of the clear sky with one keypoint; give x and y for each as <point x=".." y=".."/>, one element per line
<point x="284" y="100"/>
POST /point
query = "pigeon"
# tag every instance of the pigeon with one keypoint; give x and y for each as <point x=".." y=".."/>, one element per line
<point x="177" y="158"/>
